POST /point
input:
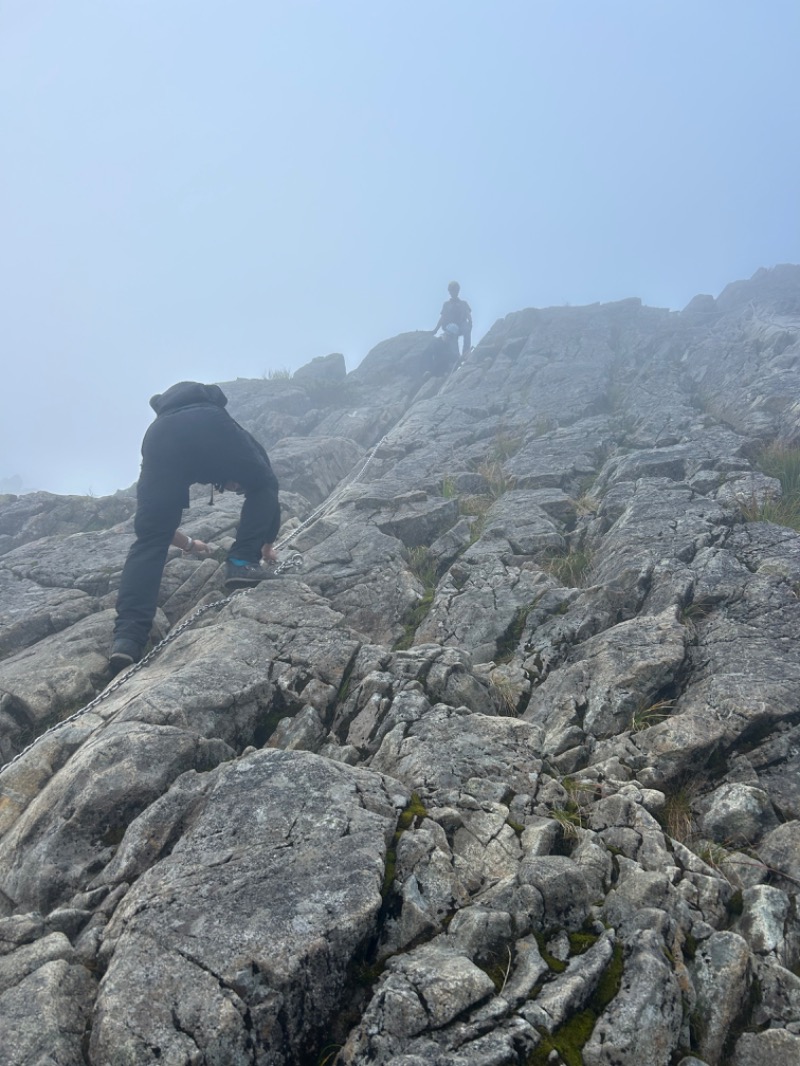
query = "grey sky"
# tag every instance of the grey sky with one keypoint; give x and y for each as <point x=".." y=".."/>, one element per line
<point x="198" y="189"/>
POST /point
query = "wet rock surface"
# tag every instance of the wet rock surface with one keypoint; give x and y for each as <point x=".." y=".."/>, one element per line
<point x="506" y="775"/>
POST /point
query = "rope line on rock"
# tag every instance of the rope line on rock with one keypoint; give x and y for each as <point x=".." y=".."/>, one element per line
<point x="292" y="562"/>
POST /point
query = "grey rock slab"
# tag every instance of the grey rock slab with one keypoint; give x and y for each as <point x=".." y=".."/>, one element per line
<point x="563" y="887"/>
<point x="427" y="886"/>
<point x="17" y="965"/>
<point x="780" y="852"/>
<point x="450" y="747"/>
<point x="744" y="675"/>
<point x="35" y="515"/>
<point x="323" y="369"/>
<point x="780" y="994"/>
<point x="423" y="990"/>
<point x="245" y="934"/>
<point x="767" y="921"/>
<point x="313" y="468"/>
<point x="722" y="975"/>
<point x="29" y="612"/>
<point x="637" y="890"/>
<point x="52" y="679"/>
<point x="642" y="1024"/>
<point x="45" y="1018"/>
<point x="776" y="767"/>
<point x="775" y="1046"/>
<point x="570" y="992"/>
<point x="363" y="574"/>
<point x="519" y="518"/>
<point x="91" y="562"/>
<point x="478" y="603"/>
<point x="618" y="675"/>
<point x="736" y="814"/>
<point x="70" y="830"/>
<point x="419" y="522"/>
<point x="485" y="846"/>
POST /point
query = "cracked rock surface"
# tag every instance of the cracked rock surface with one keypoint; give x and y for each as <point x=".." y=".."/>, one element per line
<point x="506" y="775"/>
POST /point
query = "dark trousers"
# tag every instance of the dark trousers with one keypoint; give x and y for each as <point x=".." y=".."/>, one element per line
<point x="137" y="599"/>
<point x="155" y="526"/>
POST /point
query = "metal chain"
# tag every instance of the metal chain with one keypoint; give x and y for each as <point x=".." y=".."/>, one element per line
<point x="292" y="562"/>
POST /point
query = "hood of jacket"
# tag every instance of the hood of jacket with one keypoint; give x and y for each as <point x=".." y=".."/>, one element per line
<point x="187" y="394"/>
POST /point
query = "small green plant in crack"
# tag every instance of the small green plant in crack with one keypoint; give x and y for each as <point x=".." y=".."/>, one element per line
<point x="505" y="445"/>
<point x="586" y="505"/>
<point x="571" y="567"/>
<point x="415" y="809"/>
<point x="496" y="478"/>
<point x="696" y="611"/>
<point x="422" y="565"/>
<point x="475" y="506"/>
<point x="782" y="461"/>
<point x="477" y="526"/>
<point x="329" y="1054"/>
<point x="677" y="815"/>
<point x="646" y="717"/>
<point x="569" y="1039"/>
<point x="508" y="642"/>
<point x="543" y="425"/>
<point x="779" y="510"/>
<point x="505" y="694"/>
<point x="449" y="490"/>
<point x="499" y="971"/>
<point x="569" y="818"/>
<point x="413" y="620"/>
<point x="715" y="855"/>
<point x="579" y="791"/>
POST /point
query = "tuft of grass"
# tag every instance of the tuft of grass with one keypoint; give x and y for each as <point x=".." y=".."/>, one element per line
<point x="677" y="816"/>
<point x="423" y="566"/>
<point x="499" y="971"/>
<point x="543" y="425"/>
<point x="498" y="481"/>
<point x="781" y="461"/>
<point x="569" y="818"/>
<point x="505" y="445"/>
<point x="474" y="506"/>
<point x="645" y="717"/>
<point x="449" y="490"/>
<point x="776" y="509"/>
<point x="571" y="567"/>
<point x="578" y="790"/>
<point x="505" y="694"/>
<point x="586" y="505"/>
<point x="280" y="374"/>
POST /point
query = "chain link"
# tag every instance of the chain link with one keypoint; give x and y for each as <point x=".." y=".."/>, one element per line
<point x="294" y="561"/>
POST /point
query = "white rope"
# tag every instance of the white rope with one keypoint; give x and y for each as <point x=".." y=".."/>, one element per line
<point x="292" y="562"/>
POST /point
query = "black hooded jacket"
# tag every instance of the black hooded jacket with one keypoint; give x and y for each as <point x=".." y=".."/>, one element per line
<point x="195" y="440"/>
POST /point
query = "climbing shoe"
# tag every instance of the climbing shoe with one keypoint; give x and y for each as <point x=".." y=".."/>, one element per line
<point x="124" y="653"/>
<point x="240" y="574"/>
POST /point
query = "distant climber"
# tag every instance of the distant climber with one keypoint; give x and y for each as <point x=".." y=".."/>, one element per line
<point x="193" y="439"/>
<point x="456" y="318"/>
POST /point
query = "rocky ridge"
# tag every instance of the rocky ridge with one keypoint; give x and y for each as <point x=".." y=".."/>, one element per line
<point x="506" y="774"/>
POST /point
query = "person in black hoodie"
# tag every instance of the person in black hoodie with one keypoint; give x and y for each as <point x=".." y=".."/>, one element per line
<point x="193" y="439"/>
